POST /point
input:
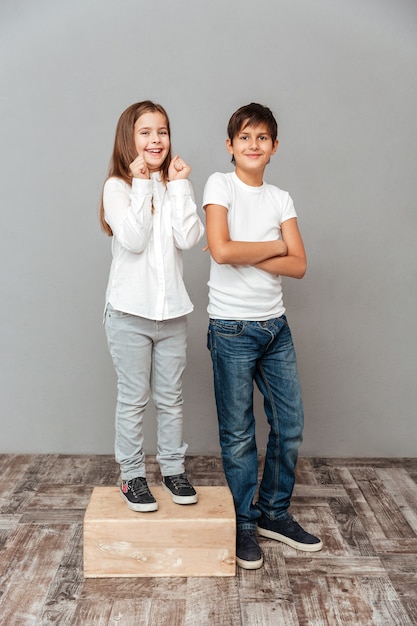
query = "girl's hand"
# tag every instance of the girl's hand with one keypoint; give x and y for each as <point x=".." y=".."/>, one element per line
<point x="139" y="168"/>
<point x="178" y="169"/>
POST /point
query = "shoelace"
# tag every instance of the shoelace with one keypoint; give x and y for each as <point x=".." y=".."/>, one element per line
<point x="247" y="532"/>
<point x="139" y="487"/>
<point x="180" y="481"/>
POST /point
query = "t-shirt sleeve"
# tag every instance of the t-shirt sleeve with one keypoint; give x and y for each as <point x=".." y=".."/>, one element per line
<point x="288" y="209"/>
<point x="216" y="191"/>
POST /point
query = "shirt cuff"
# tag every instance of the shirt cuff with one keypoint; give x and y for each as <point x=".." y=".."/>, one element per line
<point x="179" y="187"/>
<point x="141" y="185"/>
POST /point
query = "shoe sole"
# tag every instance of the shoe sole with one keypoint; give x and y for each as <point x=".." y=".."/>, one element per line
<point x="306" y="547"/>
<point x="139" y="508"/>
<point x="249" y="564"/>
<point x="180" y="499"/>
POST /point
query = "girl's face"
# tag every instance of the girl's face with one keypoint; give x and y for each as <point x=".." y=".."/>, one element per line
<point x="152" y="139"/>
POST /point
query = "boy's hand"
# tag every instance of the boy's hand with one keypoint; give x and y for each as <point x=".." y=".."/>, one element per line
<point x="139" y="168"/>
<point x="178" y="169"/>
<point x="283" y="249"/>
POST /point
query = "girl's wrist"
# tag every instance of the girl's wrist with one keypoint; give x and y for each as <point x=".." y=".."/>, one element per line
<point x="141" y="182"/>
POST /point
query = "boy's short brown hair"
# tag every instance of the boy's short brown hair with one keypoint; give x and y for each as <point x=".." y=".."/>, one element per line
<point x="251" y="115"/>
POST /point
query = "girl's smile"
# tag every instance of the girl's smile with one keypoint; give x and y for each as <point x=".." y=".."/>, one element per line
<point x="152" y="139"/>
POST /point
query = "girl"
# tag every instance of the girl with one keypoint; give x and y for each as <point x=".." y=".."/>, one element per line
<point x="148" y="208"/>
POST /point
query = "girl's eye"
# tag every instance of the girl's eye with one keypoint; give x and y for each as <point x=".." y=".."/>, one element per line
<point x="144" y="132"/>
<point x="163" y="132"/>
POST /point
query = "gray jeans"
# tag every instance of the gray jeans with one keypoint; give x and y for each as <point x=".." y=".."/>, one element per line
<point x="149" y="358"/>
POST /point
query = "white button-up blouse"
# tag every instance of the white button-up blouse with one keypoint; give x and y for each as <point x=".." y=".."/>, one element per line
<point x="146" y="274"/>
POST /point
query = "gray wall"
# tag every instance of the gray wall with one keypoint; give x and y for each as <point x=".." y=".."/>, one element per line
<point x="341" y="77"/>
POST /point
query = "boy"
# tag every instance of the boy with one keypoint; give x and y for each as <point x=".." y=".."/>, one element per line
<point x="253" y="239"/>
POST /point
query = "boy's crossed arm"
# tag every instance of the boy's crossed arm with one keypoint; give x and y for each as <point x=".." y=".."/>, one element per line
<point x="284" y="257"/>
<point x="294" y="263"/>
<point x="226" y="251"/>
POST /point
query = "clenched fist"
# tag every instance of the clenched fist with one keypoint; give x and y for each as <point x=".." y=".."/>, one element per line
<point x="139" y="167"/>
<point x="178" y="169"/>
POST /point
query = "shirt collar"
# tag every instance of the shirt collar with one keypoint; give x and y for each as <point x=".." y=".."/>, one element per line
<point x="156" y="176"/>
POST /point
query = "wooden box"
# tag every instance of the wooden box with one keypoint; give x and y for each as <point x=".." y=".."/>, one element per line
<point x="176" y="540"/>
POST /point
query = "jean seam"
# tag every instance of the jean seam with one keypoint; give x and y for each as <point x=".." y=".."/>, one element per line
<point x="275" y="493"/>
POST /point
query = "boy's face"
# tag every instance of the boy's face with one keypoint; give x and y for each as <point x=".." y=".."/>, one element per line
<point x="252" y="148"/>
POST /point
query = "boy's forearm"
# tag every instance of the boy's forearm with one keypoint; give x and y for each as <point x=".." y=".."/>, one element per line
<point x="292" y="266"/>
<point x="247" y="252"/>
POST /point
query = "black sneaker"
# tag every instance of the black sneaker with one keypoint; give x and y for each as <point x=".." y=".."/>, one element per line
<point x="290" y="532"/>
<point x="248" y="552"/>
<point x="181" y="490"/>
<point x="137" y="496"/>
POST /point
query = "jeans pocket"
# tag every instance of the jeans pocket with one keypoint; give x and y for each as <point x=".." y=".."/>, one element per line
<point x="111" y="312"/>
<point x="227" y="328"/>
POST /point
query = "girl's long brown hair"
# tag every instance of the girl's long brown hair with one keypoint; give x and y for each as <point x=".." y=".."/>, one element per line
<point x="124" y="151"/>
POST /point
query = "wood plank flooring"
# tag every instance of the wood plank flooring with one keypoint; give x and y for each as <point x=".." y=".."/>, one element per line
<point x="365" y="511"/>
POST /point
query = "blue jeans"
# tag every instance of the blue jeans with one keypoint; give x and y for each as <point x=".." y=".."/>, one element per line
<point x="244" y="352"/>
<point x="149" y="358"/>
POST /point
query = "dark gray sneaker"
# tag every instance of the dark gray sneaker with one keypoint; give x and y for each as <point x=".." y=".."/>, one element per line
<point x="137" y="496"/>
<point x="248" y="552"/>
<point x="180" y="488"/>
<point x="290" y="532"/>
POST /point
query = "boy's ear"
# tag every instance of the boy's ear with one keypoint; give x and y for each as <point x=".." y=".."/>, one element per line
<point x="229" y="146"/>
<point x="275" y="146"/>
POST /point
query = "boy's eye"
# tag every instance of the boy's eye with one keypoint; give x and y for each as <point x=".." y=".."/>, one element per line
<point x="244" y="137"/>
<point x="262" y="137"/>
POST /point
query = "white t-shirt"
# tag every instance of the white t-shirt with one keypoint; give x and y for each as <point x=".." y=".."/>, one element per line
<point x="244" y="292"/>
<point x="146" y="274"/>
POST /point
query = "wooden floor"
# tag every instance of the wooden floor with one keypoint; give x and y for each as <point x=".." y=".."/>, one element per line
<point x="365" y="511"/>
